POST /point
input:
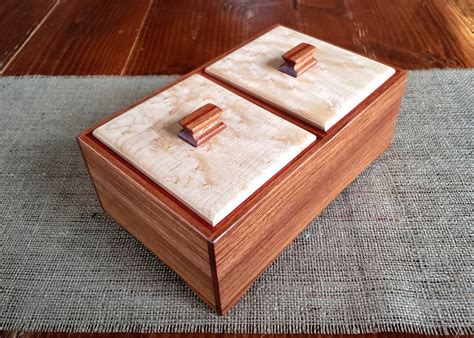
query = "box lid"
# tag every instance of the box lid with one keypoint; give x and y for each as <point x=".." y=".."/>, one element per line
<point x="217" y="176"/>
<point x="322" y="95"/>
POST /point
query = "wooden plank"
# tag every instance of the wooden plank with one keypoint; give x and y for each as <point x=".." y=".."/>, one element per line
<point x="406" y="34"/>
<point x="91" y="37"/>
<point x="249" y="245"/>
<point x="18" y="20"/>
<point x="82" y="37"/>
<point x="463" y="11"/>
<point x="179" y="36"/>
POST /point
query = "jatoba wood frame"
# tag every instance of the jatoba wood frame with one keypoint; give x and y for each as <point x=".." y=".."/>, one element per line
<point x="220" y="263"/>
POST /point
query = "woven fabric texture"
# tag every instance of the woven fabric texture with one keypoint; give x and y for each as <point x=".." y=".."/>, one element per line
<point x="393" y="252"/>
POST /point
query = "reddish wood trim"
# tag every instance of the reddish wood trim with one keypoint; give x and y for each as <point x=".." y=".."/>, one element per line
<point x="215" y="280"/>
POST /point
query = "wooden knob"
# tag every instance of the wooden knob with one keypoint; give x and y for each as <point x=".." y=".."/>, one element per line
<point x="201" y="125"/>
<point x="298" y="59"/>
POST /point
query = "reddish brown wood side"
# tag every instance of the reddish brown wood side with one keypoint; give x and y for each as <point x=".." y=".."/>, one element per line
<point x="150" y="220"/>
<point x="247" y="247"/>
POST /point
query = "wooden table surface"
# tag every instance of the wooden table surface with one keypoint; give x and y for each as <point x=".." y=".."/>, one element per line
<point x="136" y="37"/>
<point x="141" y="37"/>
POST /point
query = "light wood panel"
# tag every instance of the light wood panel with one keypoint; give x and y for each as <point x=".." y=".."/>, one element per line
<point x="321" y="96"/>
<point x="215" y="178"/>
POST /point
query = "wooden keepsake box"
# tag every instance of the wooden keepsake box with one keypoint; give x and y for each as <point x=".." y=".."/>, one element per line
<point x="219" y="171"/>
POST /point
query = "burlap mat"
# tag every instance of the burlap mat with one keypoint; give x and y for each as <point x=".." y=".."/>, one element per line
<point x="393" y="253"/>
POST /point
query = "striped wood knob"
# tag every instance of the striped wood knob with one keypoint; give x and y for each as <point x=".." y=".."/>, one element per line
<point x="201" y="125"/>
<point x="298" y="60"/>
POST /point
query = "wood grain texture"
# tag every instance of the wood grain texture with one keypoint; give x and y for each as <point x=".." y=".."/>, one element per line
<point x="248" y="246"/>
<point x="217" y="177"/>
<point x="465" y="11"/>
<point x="82" y="37"/>
<point x="85" y="37"/>
<point x="18" y="20"/>
<point x="321" y="96"/>
<point x="405" y="34"/>
<point x="148" y="217"/>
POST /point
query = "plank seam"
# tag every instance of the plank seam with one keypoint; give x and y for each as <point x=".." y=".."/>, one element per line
<point x="145" y="17"/>
<point x="30" y="36"/>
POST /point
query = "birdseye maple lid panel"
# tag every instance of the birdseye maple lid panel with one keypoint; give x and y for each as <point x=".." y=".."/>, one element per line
<point x="321" y="96"/>
<point x="216" y="177"/>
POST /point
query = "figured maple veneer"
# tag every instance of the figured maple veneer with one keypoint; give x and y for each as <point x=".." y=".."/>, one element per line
<point x="322" y="95"/>
<point x="220" y="263"/>
<point x="215" y="178"/>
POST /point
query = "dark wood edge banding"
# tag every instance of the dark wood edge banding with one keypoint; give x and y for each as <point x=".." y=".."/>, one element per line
<point x="215" y="280"/>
